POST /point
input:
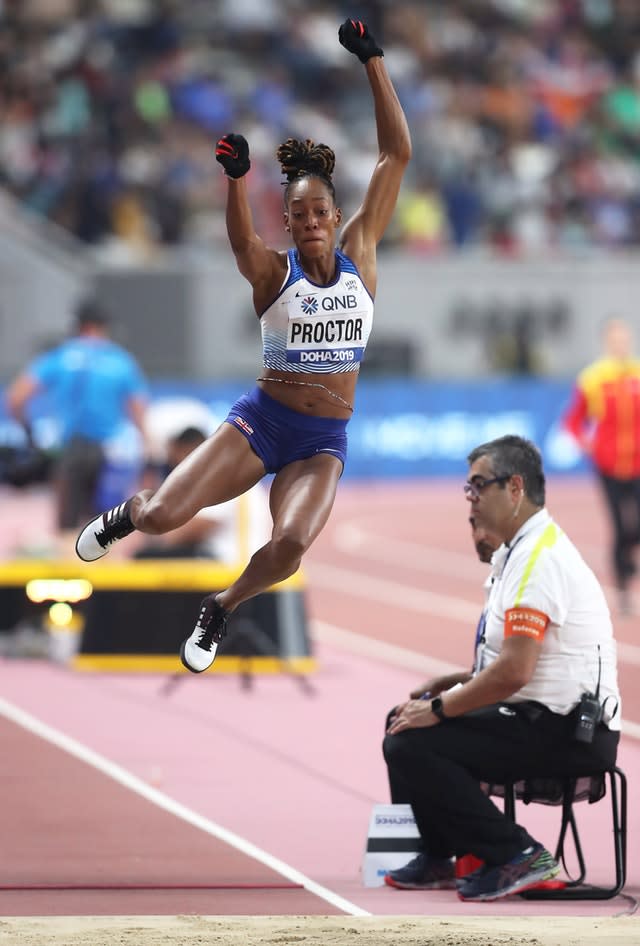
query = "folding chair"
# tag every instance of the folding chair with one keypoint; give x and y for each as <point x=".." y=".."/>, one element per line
<point x="566" y="791"/>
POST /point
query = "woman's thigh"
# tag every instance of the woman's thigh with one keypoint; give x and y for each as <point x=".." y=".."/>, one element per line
<point x="221" y="468"/>
<point x="302" y="496"/>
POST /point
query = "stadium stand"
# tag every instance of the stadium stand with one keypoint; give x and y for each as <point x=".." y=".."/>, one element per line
<point x="525" y="117"/>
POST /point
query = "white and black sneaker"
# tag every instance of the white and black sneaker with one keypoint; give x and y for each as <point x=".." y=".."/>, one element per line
<point x="98" y="535"/>
<point x="199" y="650"/>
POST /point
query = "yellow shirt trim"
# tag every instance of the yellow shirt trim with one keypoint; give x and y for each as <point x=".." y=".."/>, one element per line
<point x="546" y="541"/>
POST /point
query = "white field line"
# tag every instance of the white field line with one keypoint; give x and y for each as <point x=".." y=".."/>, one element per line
<point x="120" y="775"/>
<point x="629" y="653"/>
<point x="407" y="659"/>
<point x="368" y="544"/>
<point x="386" y="591"/>
<point x="380" y="650"/>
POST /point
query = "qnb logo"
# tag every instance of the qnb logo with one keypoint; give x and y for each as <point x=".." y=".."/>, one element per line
<point x="334" y="303"/>
<point x="309" y="305"/>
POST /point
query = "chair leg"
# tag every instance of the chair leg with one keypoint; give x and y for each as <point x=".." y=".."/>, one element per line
<point x="569" y="821"/>
<point x="619" y="825"/>
<point x="576" y="890"/>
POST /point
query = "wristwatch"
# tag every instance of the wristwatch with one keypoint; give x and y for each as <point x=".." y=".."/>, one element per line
<point x="437" y="709"/>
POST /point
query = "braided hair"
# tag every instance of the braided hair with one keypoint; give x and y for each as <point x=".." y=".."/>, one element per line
<point x="299" y="159"/>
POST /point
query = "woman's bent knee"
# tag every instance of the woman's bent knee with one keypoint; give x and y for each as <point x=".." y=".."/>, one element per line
<point x="155" y="517"/>
<point x="288" y="549"/>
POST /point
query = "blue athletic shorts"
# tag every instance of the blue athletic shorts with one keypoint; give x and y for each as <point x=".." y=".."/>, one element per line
<point x="279" y="435"/>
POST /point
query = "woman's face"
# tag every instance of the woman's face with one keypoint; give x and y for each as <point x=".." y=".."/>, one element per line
<point x="312" y="217"/>
<point x="618" y="340"/>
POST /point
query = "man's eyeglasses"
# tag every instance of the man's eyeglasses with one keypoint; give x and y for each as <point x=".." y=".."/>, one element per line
<point x="478" y="484"/>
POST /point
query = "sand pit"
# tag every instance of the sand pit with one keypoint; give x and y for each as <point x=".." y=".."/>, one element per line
<point x="320" y="931"/>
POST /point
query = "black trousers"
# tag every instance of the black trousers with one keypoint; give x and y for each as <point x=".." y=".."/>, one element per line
<point x="623" y="503"/>
<point x="77" y="474"/>
<point x="438" y="771"/>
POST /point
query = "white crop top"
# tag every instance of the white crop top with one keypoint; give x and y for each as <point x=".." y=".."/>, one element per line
<point x="317" y="328"/>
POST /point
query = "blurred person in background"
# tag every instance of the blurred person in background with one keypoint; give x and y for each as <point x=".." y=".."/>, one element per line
<point x="96" y="387"/>
<point x="228" y="532"/>
<point x="604" y="419"/>
<point x="315" y="303"/>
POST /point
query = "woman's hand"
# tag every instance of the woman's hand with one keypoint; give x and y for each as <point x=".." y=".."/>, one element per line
<point x="355" y="36"/>
<point x="232" y="151"/>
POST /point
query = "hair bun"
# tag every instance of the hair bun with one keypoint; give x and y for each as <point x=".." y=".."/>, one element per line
<point x="300" y="158"/>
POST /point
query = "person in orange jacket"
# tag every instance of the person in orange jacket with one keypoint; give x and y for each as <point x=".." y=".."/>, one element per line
<point x="604" y="419"/>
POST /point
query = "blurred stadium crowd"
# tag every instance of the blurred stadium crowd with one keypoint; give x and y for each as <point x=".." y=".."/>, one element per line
<point x="525" y="116"/>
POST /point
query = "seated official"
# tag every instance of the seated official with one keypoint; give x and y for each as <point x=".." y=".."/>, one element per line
<point x="548" y="640"/>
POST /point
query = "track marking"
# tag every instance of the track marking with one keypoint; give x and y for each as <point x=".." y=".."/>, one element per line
<point x="630" y="729"/>
<point x="410" y="659"/>
<point x="392" y="592"/>
<point x="387" y="591"/>
<point x="355" y="539"/>
<point x="116" y="772"/>
<point x="629" y="653"/>
<point x="367" y="543"/>
<point x="380" y="650"/>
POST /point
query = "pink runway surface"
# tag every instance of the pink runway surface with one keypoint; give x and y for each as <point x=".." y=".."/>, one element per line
<point x="263" y="796"/>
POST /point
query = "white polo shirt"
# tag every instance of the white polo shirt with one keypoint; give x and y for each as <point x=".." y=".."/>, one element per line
<point x="541" y="573"/>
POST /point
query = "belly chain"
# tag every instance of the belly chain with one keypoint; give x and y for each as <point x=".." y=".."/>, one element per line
<point x="310" y="384"/>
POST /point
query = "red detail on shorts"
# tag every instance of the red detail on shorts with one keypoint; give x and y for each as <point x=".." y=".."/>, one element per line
<point x="241" y="422"/>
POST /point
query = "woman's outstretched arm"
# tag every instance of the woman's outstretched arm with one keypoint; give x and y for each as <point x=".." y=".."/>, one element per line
<point x="255" y="261"/>
<point x="368" y="224"/>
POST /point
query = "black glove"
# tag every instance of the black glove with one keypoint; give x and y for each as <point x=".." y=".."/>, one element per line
<point x="232" y="151"/>
<point x="355" y="36"/>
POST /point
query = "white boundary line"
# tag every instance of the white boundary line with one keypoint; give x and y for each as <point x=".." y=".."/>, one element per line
<point x="116" y="772"/>
<point x="422" y="601"/>
<point x="407" y="659"/>
<point x="365" y="646"/>
<point x="388" y="591"/>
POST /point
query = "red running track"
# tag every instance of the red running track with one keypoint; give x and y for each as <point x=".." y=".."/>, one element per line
<point x="119" y="783"/>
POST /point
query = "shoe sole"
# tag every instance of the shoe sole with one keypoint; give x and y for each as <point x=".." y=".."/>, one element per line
<point x="437" y="885"/>
<point x="528" y="884"/>
<point x="82" y="558"/>
<point x="188" y="666"/>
